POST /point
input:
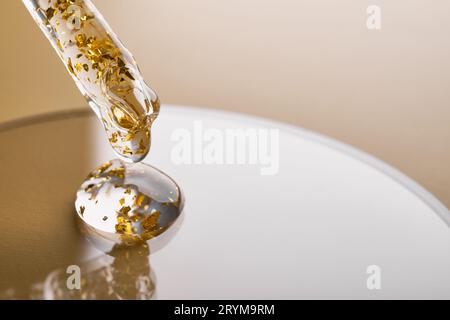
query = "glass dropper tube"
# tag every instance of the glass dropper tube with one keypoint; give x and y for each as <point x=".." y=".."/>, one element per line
<point x="104" y="71"/>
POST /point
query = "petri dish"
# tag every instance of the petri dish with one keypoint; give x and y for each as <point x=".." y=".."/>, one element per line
<point x="314" y="226"/>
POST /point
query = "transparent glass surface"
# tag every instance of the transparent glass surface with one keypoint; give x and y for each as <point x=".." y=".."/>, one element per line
<point x="310" y="231"/>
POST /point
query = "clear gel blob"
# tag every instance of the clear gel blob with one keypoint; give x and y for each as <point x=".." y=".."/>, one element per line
<point x="128" y="203"/>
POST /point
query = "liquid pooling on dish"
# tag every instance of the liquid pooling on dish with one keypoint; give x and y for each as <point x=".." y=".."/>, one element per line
<point x="128" y="202"/>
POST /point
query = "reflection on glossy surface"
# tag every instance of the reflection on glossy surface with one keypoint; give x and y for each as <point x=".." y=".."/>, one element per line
<point x="124" y="273"/>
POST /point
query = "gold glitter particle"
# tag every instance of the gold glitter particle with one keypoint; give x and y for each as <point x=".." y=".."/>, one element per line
<point x="58" y="43"/>
<point x="104" y="167"/>
<point x="129" y="137"/>
<point x="89" y="188"/>
<point x="124" y="210"/>
<point x="147" y="235"/>
<point x="50" y="13"/>
<point x="86" y="17"/>
<point x="113" y="138"/>
<point x="122" y="201"/>
<point x="79" y="67"/>
<point x="123" y="118"/>
<point x="128" y="74"/>
<point x="150" y="223"/>
<point x="123" y="226"/>
<point x="120" y="62"/>
<point x="80" y="39"/>
<point x="139" y="200"/>
<point x="70" y="67"/>
<point x="127" y="150"/>
<point x="117" y="172"/>
<point x="142" y="147"/>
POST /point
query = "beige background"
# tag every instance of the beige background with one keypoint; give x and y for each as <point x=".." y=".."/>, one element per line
<point x="310" y="63"/>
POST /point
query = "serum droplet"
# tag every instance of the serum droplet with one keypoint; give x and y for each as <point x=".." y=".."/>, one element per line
<point x="128" y="202"/>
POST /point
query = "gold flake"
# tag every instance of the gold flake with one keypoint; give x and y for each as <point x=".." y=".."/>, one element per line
<point x="129" y="136"/>
<point x="104" y="167"/>
<point x="123" y="226"/>
<point x="142" y="147"/>
<point x="50" y="13"/>
<point x="151" y="222"/>
<point x="117" y="172"/>
<point x="70" y="67"/>
<point x="79" y="67"/>
<point x="128" y="74"/>
<point x="123" y="118"/>
<point x="58" y="43"/>
<point x="113" y="138"/>
<point x="80" y="40"/>
<point x="127" y="150"/>
<point x="140" y="200"/>
<point x="124" y="210"/>
<point x="89" y="188"/>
